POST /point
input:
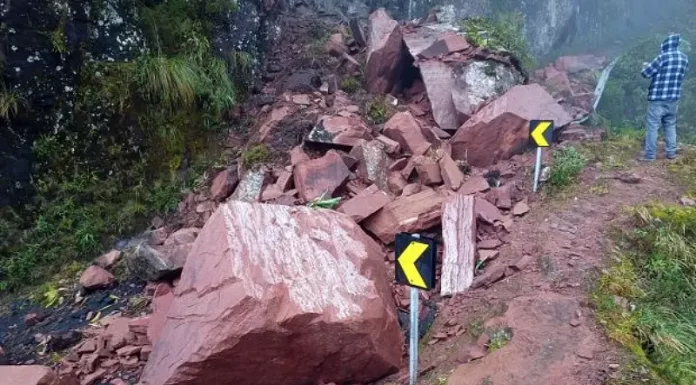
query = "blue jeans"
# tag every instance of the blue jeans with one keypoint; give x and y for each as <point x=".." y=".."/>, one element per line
<point x="662" y="113"/>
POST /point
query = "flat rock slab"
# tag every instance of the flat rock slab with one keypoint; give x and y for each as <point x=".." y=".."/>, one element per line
<point x="368" y="202"/>
<point x="411" y="213"/>
<point x="542" y="350"/>
<point x="321" y="176"/>
<point x="300" y="295"/>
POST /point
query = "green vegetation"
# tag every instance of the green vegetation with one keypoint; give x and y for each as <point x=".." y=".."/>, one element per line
<point x="499" y="338"/>
<point x="378" y="110"/>
<point x="351" y="85"/>
<point x="140" y="135"/>
<point x="654" y="273"/>
<point x="567" y="165"/>
<point x="504" y="33"/>
<point x="255" y="155"/>
<point x="10" y="102"/>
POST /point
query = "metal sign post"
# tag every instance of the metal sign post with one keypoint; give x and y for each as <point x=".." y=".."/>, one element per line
<point x="413" y="343"/>
<point x="541" y="135"/>
<point x="537" y="169"/>
<point x="415" y="267"/>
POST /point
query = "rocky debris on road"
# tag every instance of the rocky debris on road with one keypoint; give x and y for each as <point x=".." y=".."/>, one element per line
<point x="112" y="350"/>
<point x="407" y="174"/>
<point x="253" y="250"/>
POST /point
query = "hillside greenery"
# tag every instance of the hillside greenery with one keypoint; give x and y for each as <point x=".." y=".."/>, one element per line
<point x="141" y="134"/>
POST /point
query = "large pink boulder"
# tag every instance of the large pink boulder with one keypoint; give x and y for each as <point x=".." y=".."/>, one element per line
<point x="385" y="53"/>
<point x="501" y="129"/>
<point x="33" y="375"/>
<point x="279" y="295"/>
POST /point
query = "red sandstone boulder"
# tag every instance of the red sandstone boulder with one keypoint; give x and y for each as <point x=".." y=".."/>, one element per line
<point x="284" y="295"/>
<point x="321" y="176"/>
<point x="224" y="184"/>
<point x="33" y="375"/>
<point x="385" y="53"/>
<point x="94" y="277"/>
<point x="404" y="129"/>
<point x="501" y="129"/>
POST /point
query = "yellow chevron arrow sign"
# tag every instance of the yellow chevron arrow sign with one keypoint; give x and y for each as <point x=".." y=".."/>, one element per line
<point x="407" y="260"/>
<point x="540" y="132"/>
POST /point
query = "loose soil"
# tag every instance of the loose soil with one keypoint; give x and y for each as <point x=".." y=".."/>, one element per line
<point x="545" y="307"/>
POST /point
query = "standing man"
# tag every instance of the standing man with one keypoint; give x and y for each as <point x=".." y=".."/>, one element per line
<point x="667" y="74"/>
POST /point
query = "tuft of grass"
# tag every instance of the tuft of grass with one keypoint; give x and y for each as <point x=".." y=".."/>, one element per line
<point x="567" y="165"/>
<point x="499" y="339"/>
<point x="476" y="328"/>
<point x="10" y="102"/>
<point x="655" y="270"/>
<point x="621" y="146"/>
<point x="378" y="110"/>
<point x="255" y="156"/>
<point x="350" y="85"/>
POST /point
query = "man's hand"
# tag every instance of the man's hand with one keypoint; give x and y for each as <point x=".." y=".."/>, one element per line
<point x="645" y="64"/>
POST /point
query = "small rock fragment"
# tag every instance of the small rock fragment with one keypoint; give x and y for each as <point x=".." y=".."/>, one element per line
<point x="368" y="202"/>
<point x="488" y="255"/>
<point x="490" y="244"/>
<point x="473" y="185"/>
<point x="94" y="277"/>
<point x="471" y="353"/>
<point x="428" y="170"/>
<point x="109" y="259"/>
<point x="224" y="184"/>
<point x="520" y="209"/>
<point x="297" y="155"/>
<point x="487" y="212"/>
<point x="522" y="263"/>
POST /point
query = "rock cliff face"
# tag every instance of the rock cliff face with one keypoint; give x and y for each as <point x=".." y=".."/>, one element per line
<point x="44" y="44"/>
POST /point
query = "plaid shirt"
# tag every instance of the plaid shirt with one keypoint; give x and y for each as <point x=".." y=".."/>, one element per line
<point x="667" y="71"/>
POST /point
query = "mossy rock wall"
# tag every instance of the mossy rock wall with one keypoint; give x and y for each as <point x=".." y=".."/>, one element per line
<point x="47" y="46"/>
